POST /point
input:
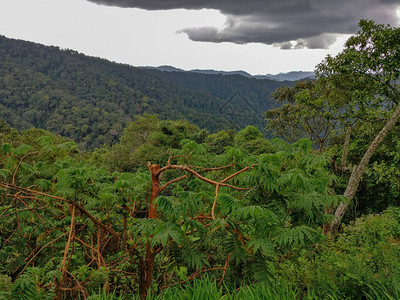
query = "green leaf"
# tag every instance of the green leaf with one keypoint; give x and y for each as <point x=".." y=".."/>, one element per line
<point x="164" y="204"/>
<point x="304" y="144"/>
<point x="166" y="231"/>
<point x="10" y="162"/>
<point x="297" y="235"/>
<point x="43" y="184"/>
<point x="226" y="202"/>
<point x="250" y="212"/>
<point x="262" y="244"/>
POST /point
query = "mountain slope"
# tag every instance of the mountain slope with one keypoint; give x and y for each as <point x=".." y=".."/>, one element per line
<point x="253" y="93"/>
<point x="91" y="100"/>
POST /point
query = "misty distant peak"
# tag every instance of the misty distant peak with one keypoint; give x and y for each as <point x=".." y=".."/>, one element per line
<point x="290" y="76"/>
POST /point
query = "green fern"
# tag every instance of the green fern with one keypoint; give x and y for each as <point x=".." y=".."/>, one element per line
<point x="264" y="245"/>
<point x="164" y="204"/>
<point x="5" y="173"/>
<point x="301" y="235"/>
<point x="250" y="212"/>
<point x="45" y="140"/>
<point x="232" y="245"/>
<point x="22" y="150"/>
<point x="24" y="288"/>
<point x="164" y="231"/>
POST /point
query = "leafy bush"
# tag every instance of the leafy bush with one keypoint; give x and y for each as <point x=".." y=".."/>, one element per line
<point x="364" y="260"/>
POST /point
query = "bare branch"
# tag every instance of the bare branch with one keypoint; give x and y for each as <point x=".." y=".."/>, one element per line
<point x="225" y="267"/>
<point x="92" y="248"/>
<point x="24" y="209"/>
<point x="210" y="169"/>
<point x="238" y="172"/>
<point x="33" y="210"/>
<point x="70" y="238"/>
<point x="215" y="202"/>
<point x="78" y="206"/>
<point x="19" y="164"/>
<point x="37" y="253"/>
<point x="172" y="181"/>
<point x="196" y="174"/>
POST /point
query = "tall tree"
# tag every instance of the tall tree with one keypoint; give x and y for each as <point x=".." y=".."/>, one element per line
<point x="310" y="109"/>
<point x="371" y="58"/>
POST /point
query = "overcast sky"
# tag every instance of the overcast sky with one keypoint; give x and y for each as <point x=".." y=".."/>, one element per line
<point x="257" y="36"/>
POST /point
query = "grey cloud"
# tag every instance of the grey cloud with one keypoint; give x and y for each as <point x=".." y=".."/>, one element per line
<point x="309" y="23"/>
<point x="204" y="34"/>
<point x="320" y="42"/>
<point x="300" y="44"/>
<point x="283" y="46"/>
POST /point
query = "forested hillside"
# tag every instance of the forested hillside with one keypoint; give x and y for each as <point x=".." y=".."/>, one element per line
<point x="91" y="100"/>
<point x="255" y="94"/>
<point x="172" y="211"/>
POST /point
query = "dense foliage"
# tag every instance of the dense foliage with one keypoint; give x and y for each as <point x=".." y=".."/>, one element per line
<point x="171" y="211"/>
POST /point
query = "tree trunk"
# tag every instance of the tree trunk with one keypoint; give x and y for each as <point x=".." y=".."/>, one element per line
<point x="328" y="225"/>
<point x="155" y="190"/>
<point x="346" y="147"/>
<point x="358" y="172"/>
<point x="146" y="265"/>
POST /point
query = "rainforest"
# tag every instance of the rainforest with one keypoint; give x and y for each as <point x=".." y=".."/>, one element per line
<point x="119" y="196"/>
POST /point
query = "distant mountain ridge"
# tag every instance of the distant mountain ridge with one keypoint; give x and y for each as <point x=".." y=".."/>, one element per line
<point x="289" y="76"/>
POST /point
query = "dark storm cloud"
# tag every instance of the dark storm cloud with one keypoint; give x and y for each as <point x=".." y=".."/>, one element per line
<point x="312" y="24"/>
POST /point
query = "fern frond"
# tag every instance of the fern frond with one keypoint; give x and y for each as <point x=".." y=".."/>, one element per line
<point x="164" y="204"/>
<point x="43" y="184"/>
<point x="5" y="173"/>
<point x="168" y="230"/>
<point x="193" y="258"/>
<point x="191" y="146"/>
<point x="232" y="245"/>
<point x="304" y="145"/>
<point x="303" y="234"/>
<point x="226" y="202"/>
<point x="67" y="146"/>
<point x="250" y="211"/>
<point x="24" y="288"/>
<point x="22" y="150"/>
<point x="10" y="162"/>
<point x="265" y="246"/>
<point x="280" y="144"/>
<point x="263" y="270"/>
<point x="45" y="140"/>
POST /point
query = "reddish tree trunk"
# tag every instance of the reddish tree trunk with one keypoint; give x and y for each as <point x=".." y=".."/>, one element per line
<point x="146" y="265"/>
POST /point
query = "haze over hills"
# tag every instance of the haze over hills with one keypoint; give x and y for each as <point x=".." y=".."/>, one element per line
<point x="91" y="100"/>
<point x="290" y="76"/>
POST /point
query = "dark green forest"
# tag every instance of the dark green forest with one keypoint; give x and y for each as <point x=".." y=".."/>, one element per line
<point x="91" y="100"/>
<point x="166" y="209"/>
